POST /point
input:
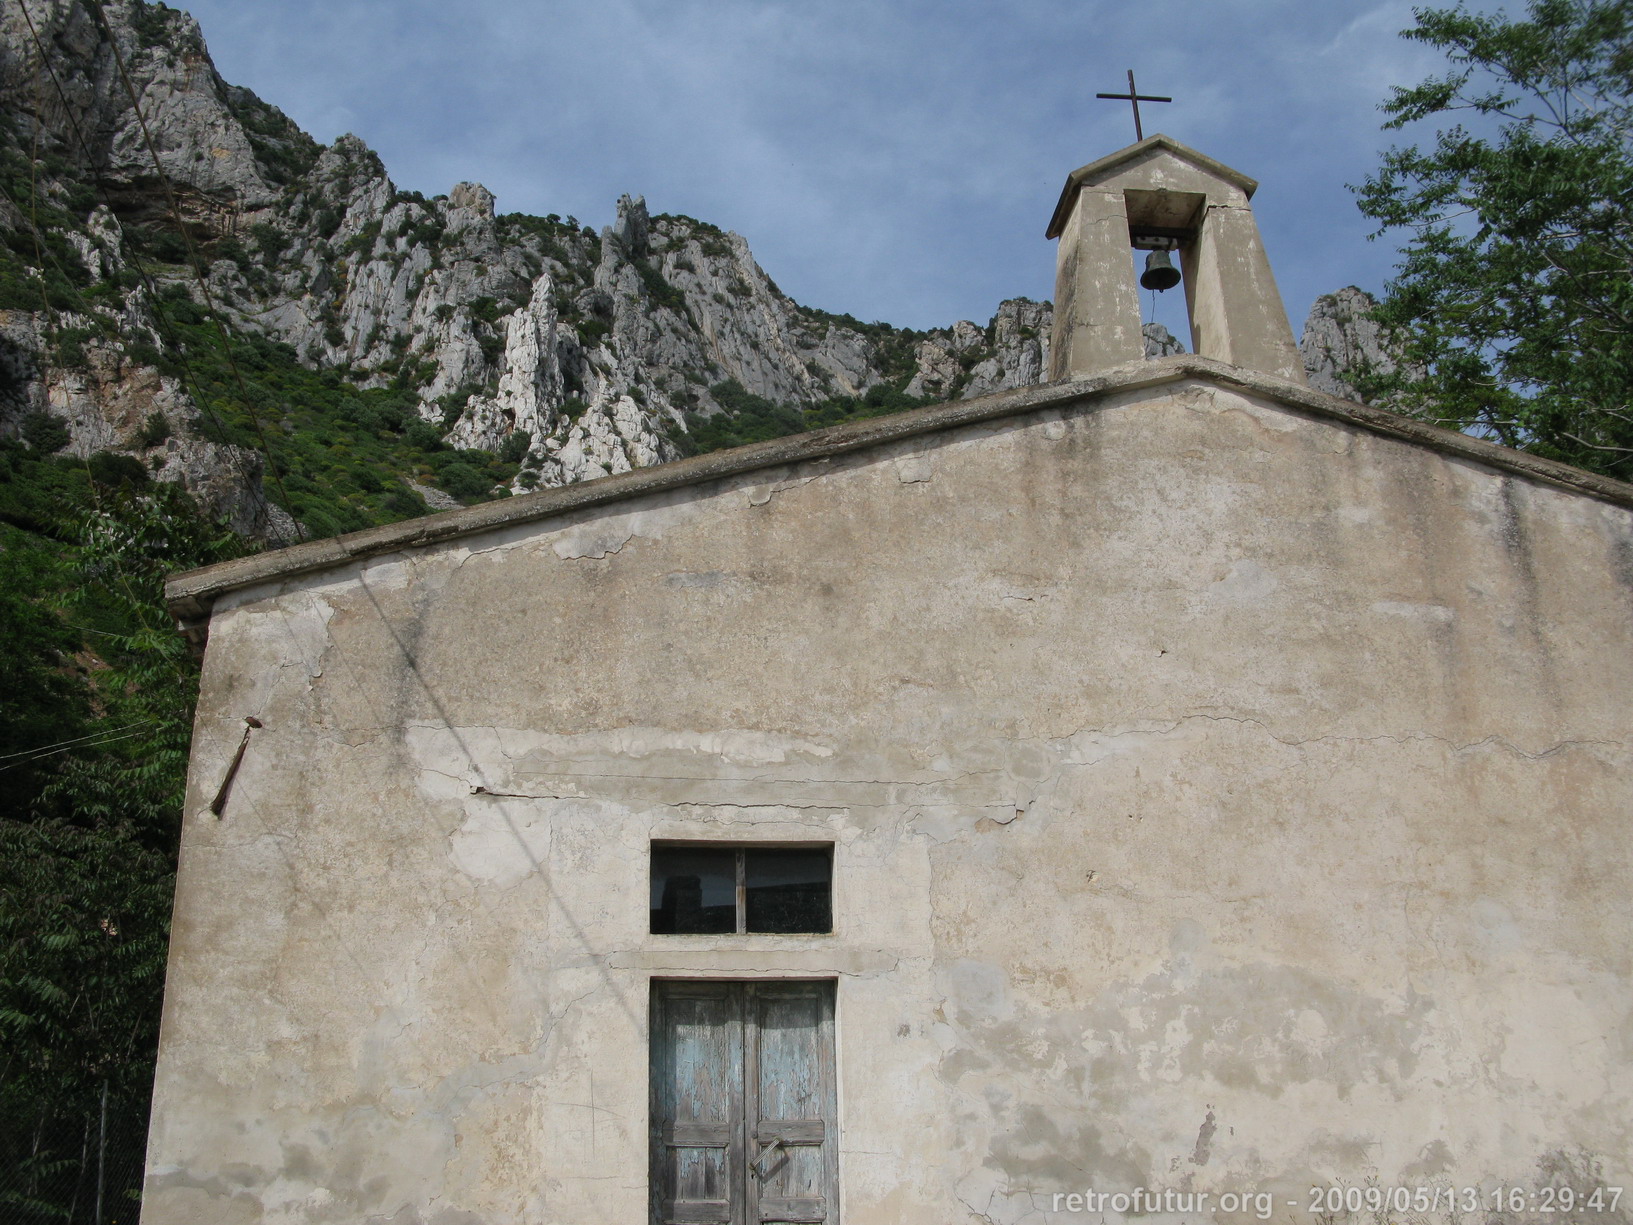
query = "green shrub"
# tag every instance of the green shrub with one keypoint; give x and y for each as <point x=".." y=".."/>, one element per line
<point x="515" y="446"/>
<point x="178" y="306"/>
<point x="362" y="243"/>
<point x="152" y="24"/>
<point x="164" y="245"/>
<point x="114" y="469"/>
<point x="154" y="431"/>
<point x="20" y="290"/>
<point x="423" y="435"/>
<point x="44" y="433"/>
<point x="403" y="503"/>
<point x="492" y="345"/>
<point x="69" y="346"/>
<point x="486" y="309"/>
<point x="464" y="481"/>
<point x="660" y="291"/>
<point x="366" y="479"/>
<point x="427" y="233"/>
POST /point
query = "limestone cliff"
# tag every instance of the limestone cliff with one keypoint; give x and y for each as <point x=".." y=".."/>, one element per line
<point x="569" y="352"/>
<point x="1343" y="344"/>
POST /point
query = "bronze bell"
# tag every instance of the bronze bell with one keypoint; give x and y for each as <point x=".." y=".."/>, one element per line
<point x="1160" y="272"/>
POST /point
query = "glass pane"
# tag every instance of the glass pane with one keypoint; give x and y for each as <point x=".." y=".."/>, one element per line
<point x="790" y="890"/>
<point x="693" y="890"/>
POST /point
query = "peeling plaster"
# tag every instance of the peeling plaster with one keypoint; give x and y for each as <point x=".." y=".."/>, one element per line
<point x="911" y="469"/>
<point x="1285" y="856"/>
<point x="485" y="848"/>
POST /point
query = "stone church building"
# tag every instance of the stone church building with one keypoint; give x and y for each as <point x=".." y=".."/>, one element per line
<point x="1166" y="792"/>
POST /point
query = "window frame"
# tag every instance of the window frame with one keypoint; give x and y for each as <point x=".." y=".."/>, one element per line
<point x="740" y="893"/>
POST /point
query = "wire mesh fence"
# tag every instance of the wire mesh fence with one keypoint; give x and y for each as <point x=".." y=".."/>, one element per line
<point x="74" y="1168"/>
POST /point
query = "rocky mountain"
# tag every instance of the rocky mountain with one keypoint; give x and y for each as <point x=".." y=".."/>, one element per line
<point x="189" y="279"/>
<point x="1342" y="344"/>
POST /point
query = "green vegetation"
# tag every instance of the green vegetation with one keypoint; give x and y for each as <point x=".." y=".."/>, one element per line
<point x="1513" y="301"/>
<point x="39" y="267"/>
<point x="154" y="24"/>
<point x="659" y="291"/>
<point x="554" y="237"/>
<point x="893" y="347"/>
<point x="711" y="239"/>
<point x="338" y="450"/>
<point x="748" y="418"/>
<point x="96" y="698"/>
<point x="285" y="152"/>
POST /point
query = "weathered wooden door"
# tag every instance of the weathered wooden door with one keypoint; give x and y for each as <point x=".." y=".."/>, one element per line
<point x="743" y="1103"/>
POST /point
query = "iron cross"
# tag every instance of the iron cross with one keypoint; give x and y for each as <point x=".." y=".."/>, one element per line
<point x="1134" y="99"/>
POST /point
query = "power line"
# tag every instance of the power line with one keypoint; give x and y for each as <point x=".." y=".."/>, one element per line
<point x="189" y="379"/>
<point x="91" y="743"/>
<point x="194" y="258"/>
<point x="95" y="7"/>
<point x="41" y="750"/>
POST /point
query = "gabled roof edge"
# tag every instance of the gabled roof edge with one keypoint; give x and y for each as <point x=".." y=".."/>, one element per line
<point x="1157" y="140"/>
<point x="190" y="596"/>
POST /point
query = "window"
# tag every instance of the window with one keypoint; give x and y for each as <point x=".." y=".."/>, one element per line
<point x="706" y="887"/>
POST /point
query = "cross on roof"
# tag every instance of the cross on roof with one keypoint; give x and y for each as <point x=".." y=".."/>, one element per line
<point x="1134" y="99"/>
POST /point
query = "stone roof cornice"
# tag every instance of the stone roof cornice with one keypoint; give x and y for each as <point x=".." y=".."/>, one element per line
<point x="191" y="595"/>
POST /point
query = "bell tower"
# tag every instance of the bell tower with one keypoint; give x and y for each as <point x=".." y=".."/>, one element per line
<point x="1159" y="195"/>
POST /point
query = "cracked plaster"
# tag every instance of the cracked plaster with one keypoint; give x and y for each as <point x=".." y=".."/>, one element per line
<point x="1186" y="760"/>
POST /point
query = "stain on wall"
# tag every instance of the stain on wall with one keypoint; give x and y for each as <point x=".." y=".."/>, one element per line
<point x="1223" y="801"/>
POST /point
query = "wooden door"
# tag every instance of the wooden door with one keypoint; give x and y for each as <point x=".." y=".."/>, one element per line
<point x="789" y="1102"/>
<point x="743" y="1104"/>
<point x="697" y="1103"/>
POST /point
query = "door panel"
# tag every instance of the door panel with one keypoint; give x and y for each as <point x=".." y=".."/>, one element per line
<point x="743" y="1103"/>
<point x="788" y="1095"/>
<point x="697" y="1104"/>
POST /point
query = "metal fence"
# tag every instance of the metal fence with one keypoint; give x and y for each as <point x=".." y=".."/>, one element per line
<point x="71" y="1169"/>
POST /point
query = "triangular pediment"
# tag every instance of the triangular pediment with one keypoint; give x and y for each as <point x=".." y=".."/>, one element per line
<point x="1150" y="162"/>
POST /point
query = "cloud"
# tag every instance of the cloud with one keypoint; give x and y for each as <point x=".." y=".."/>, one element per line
<point x="896" y="159"/>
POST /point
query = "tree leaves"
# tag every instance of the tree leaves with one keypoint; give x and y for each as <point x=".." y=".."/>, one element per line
<point x="88" y="837"/>
<point x="1513" y="300"/>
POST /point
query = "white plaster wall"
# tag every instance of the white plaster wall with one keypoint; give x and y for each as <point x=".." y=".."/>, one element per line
<point x="1223" y="800"/>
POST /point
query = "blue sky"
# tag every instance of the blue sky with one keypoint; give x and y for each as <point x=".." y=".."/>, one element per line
<point x="895" y="159"/>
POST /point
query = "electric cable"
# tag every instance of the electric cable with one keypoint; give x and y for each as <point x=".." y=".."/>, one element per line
<point x="95" y="6"/>
<point x="190" y="380"/>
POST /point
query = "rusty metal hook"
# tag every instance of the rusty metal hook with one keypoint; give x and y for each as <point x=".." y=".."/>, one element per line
<point x="771" y="1146"/>
<point x="220" y="801"/>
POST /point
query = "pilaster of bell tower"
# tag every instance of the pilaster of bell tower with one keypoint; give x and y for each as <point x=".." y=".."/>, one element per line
<point x="1159" y="190"/>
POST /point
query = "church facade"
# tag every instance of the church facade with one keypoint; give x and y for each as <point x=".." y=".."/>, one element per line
<point x="1166" y="792"/>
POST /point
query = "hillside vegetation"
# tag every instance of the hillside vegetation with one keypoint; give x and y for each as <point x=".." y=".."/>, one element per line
<point x="217" y="335"/>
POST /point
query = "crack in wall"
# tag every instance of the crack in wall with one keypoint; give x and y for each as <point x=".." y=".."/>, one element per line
<point x="1331" y="738"/>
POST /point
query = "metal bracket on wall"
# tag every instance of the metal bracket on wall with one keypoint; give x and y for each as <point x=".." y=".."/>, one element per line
<point x="220" y="801"/>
